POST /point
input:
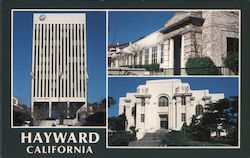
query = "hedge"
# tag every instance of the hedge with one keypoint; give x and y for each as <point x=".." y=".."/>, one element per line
<point x="121" y="138"/>
<point x="149" y="67"/>
<point x="201" y="66"/>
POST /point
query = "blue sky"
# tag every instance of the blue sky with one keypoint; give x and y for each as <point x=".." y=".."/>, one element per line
<point x="130" y="26"/>
<point x="118" y="87"/>
<point x="22" y="55"/>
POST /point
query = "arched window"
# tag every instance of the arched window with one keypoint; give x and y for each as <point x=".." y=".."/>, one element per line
<point x="134" y="111"/>
<point x="163" y="101"/>
<point x="199" y="110"/>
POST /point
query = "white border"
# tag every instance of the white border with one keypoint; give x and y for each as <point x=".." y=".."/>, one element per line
<point x="181" y="76"/>
<point x="85" y="50"/>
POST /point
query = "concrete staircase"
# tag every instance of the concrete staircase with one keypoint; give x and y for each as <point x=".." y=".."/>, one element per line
<point x="150" y="139"/>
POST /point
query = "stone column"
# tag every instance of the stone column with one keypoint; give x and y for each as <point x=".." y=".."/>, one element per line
<point x="50" y="109"/>
<point x="116" y="62"/>
<point x="188" y="102"/>
<point x="143" y="57"/>
<point x="170" y="105"/>
<point x="171" y="53"/>
<point x="178" y="112"/>
<point x="158" y="57"/>
<point x="68" y="107"/>
<point x="150" y="56"/>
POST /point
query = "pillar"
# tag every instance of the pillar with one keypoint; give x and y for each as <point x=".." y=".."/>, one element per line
<point x="68" y="107"/>
<point x="158" y="60"/>
<point x="143" y="57"/>
<point x="171" y="53"/>
<point x="50" y="109"/>
<point x="170" y="114"/>
<point x="149" y="55"/>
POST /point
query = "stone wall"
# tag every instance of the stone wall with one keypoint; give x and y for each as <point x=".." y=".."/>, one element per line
<point x="218" y="25"/>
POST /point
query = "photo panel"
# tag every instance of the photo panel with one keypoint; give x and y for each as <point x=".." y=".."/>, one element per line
<point x="52" y="84"/>
<point x="174" y="42"/>
<point x="173" y="112"/>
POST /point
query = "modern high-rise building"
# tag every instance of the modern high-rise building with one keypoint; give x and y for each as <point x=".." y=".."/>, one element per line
<point x="58" y="65"/>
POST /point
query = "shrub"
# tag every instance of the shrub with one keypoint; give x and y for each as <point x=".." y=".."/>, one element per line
<point x="121" y="138"/>
<point x="175" y="138"/>
<point x="97" y="119"/>
<point x="231" y="61"/>
<point x="117" y="123"/>
<point x="149" y="67"/>
<point x="201" y="66"/>
<point x="20" y="118"/>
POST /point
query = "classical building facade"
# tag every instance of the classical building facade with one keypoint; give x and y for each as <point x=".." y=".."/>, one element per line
<point x="163" y="104"/>
<point x="58" y="65"/>
<point x="187" y="34"/>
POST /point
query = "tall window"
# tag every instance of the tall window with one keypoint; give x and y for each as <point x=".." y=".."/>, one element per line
<point x="142" y="101"/>
<point x="183" y="100"/>
<point x="154" y="55"/>
<point x="135" y="58"/>
<point x="146" y="56"/>
<point x="142" y="118"/>
<point x="162" y="49"/>
<point x="232" y="45"/>
<point x="124" y="110"/>
<point x="133" y="113"/>
<point x="163" y="101"/>
<point x="127" y="60"/>
<point x="183" y="117"/>
<point x="199" y="110"/>
<point x="140" y="58"/>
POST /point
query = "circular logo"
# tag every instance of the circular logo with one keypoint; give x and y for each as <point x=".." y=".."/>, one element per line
<point x="42" y="17"/>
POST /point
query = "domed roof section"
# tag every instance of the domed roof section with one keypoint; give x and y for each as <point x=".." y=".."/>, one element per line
<point x="180" y="15"/>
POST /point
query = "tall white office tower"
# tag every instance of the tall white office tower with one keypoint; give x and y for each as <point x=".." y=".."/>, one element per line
<point x="58" y="65"/>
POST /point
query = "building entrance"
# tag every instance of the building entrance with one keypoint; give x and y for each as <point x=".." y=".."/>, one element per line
<point x="177" y="55"/>
<point x="164" y="121"/>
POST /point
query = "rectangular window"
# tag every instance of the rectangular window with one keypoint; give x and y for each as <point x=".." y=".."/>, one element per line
<point x="140" y="58"/>
<point x="232" y="45"/>
<point x="142" y="118"/>
<point x="154" y="55"/>
<point x="146" y="56"/>
<point x="142" y="101"/>
<point x="135" y="58"/>
<point x="124" y="110"/>
<point x="134" y="111"/>
<point x="183" y="100"/>
<point x="162" y="49"/>
<point x="183" y="117"/>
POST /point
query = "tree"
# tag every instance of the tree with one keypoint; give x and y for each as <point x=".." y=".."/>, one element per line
<point x="217" y="117"/>
<point x="117" y="123"/>
<point x="231" y="61"/>
<point x="135" y="50"/>
<point x="111" y="101"/>
<point x="97" y="119"/>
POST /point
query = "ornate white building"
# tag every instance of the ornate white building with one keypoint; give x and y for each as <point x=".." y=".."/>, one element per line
<point x="186" y="34"/>
<point x="163" y="104"/>
<point x="58" y="65"/>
